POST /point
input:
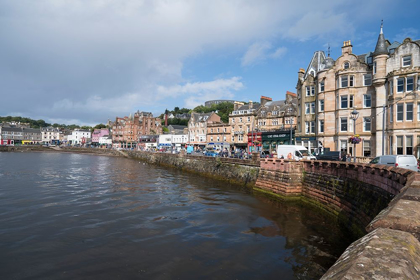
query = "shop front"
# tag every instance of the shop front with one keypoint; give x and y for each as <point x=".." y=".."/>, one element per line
<point x="309" y="142"/>
<point x="254" y="142"/>
<point x="270" y="140"/>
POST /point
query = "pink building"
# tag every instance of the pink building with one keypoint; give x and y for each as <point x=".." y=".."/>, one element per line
<point x="97" y="133"/>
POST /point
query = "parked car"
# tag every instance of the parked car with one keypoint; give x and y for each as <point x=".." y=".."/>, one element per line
<point x="211" y="153"/>
<point x="266" y="154"/>
<point x="402" y="161"/>
<point x="331" y="155"/>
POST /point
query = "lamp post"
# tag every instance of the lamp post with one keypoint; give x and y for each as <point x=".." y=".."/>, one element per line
<point x="291" y="125"/>
<point x="354" y="115"/>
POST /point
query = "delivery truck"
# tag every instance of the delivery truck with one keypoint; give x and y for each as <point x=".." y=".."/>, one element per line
<point x="293" y="152"/>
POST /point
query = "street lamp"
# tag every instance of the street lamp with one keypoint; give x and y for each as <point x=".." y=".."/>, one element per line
<point x="354" y="115"/>
<point x="291" y="125"/>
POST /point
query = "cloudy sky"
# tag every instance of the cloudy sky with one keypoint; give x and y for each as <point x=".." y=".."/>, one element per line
<point x="84" y="62"/>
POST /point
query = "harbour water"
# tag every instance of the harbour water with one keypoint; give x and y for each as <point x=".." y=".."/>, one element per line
<point x="72" y="216"/>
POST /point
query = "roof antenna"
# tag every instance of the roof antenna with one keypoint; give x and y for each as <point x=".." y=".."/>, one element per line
<point x="328" y="50"/>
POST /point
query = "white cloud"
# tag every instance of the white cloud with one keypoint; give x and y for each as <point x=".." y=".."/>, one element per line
<point x="279" y="52"/>
<point x="196" y="93"/>
<point x="93" y="59"/>
<point x="259" y="52"/>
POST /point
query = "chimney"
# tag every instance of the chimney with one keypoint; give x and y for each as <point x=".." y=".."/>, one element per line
<point x="265" y="99"/>
<point x="301" y="73"/>
<point x="347" y="47"/>
<point x="236" y="105"/>
<point x="250" y="104"/>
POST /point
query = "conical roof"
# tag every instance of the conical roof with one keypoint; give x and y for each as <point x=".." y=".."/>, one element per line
<point x="381" y="45"/>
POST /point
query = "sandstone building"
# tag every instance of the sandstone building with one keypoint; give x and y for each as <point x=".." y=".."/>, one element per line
<point x="385" y="80"/>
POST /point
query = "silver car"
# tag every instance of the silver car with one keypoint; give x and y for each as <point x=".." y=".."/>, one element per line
<point x="402" y="161"/>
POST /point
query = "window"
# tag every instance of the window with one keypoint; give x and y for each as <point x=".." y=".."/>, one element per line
<point x="308" y="91"/>
<point x="408" y="145"/>
<point x="344" y="102"/>
<point x="351" y="99"/>
<point x="418" y="111"/>
<point x="400" y="84"/>
<point x="400" y="145"/>
<point x="367" y="80"/>
<point x="321" y="105"/>
<point x="321" y="86"/>
<point x="240" y="119"/>
<point x="366" y="148"/>
<point x="310" y="108"/>
<point x="409" y="111"/>
<point x="374" y="68"/>
<point x="321" y="126"/>
<point x="344" y="81"/>
<point x="211" y="138"/>
<point x="351" y="81"/>
<point x="309" y="127"/>
<point x="312" y="90"/>
<point x="418" y="83"/>
<point x="343" y="125"/>
<point x="367" y="102"/>
<point x="406" y="61"/>
<point x="218" y="138"/>
<point x="400" y="112"/>
<point x="343" y="146"/>
<point x="346" y="65"/>
<point x="410" y="84"/>
<point x="366" y="124"/>
<point x="391" y="113"/>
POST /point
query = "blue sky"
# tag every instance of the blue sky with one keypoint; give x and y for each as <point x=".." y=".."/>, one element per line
<point x="84" y="62"/>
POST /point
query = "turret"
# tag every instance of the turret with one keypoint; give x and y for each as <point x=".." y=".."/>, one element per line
<point x="379" y="59"/>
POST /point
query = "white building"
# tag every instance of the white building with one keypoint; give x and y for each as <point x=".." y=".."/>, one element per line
<point x="172" y="141"/>
<point x="105" y="140"/>
<point x="51" y="135"/>
<point x="79" y="136"/>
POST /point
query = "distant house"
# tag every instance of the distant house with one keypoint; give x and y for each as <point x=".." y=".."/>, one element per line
<point x="197" y="127"/>
<point x="98" y="133"/>
<point x="177" y="129"/>
<point x="51" y="135"/>
<point x="79" y="137"/>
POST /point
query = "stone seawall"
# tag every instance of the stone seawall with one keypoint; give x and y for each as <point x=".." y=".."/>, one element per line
<point x="243" y="172"/>
<point x="356" y="193"/>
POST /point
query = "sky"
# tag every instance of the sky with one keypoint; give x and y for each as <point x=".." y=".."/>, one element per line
<point x="86" y="62"/>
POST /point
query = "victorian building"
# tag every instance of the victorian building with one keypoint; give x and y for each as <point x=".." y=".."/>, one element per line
<point x="197" y="127"/>
<point x="242" y="121"/>
<point x="352" y="95"/>
<point x="127" y="132"/>
<point x="275" y="123"/>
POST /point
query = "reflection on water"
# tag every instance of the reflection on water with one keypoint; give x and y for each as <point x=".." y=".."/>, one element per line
<point x="69" y="216"/>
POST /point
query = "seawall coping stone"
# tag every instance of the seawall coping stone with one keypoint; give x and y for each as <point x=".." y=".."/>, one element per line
<point x="381" y="254"/>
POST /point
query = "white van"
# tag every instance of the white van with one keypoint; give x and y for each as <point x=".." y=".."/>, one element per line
<point x="293" y="151"/>
<point x="402" y="161"/>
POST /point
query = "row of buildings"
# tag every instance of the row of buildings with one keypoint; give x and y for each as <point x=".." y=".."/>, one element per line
<point x="252" y="126"/>
<point x="22" y="134"/>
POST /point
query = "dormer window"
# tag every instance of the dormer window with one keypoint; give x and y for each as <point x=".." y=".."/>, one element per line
<point x="346" y="65"/>
<point x="406" y="60"/>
